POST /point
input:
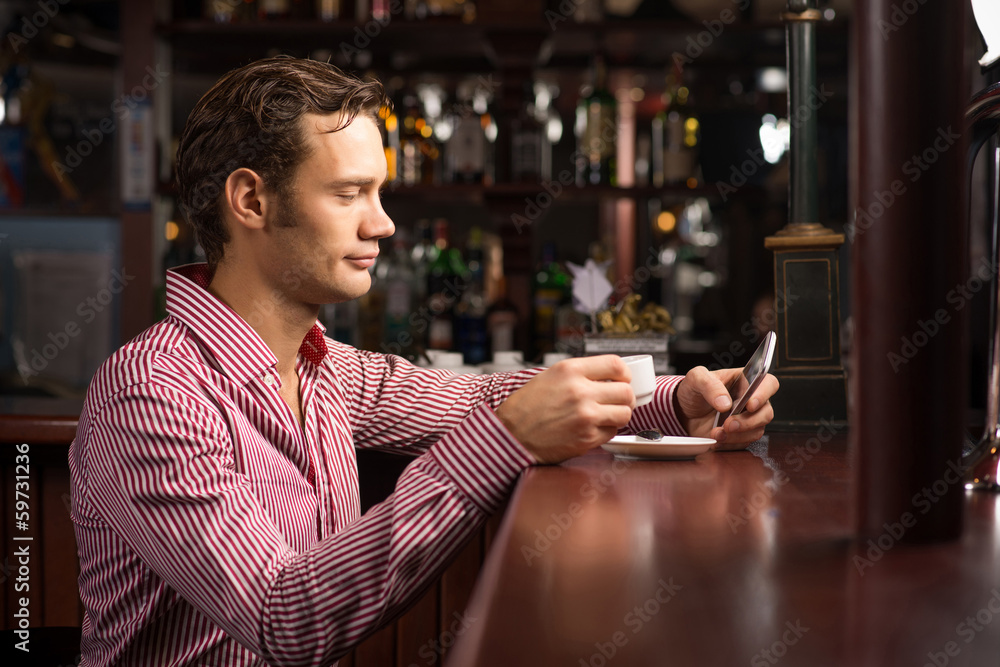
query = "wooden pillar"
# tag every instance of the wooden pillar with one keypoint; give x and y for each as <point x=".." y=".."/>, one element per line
<point x="806" y="263"/>
<point x="137" y="30"/>
<point x="910" y="247"/>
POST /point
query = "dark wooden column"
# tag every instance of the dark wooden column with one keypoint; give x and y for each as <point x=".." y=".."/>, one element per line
<point x="806" y="262"/>
<point x="909" y="266"/>
<point x="137" y="30"/>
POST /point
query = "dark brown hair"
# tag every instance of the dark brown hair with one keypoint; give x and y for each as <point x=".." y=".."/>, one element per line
<point x="250" y="118"/>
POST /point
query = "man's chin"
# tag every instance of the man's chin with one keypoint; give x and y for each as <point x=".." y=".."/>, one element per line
<point x="349" y="290"/>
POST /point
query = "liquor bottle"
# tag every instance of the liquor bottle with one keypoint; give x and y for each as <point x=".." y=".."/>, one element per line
<point x="598" y="141"/>
<point x="400" y="284"/>
<point x="657" y="147"/>
<point x="470" y="312"/>
<point x="466" y="149"/>
<point x="328" y="10"/>
<point x="220" y="11"/>
<point x="415" y="10"/>
<point x="450" y="7"/>
<point x="445" y="281"/>
<point x="527" y="141"/>
<point x="269" y="10"/>
<point x="551" y="289"/>
<point x="230" y="11"/>
<point x="586" y="11"/>
<point x="681" y="132"/>
<point x="501" y="321"/>
<point x="422" y="255"/>
<point x="381" y="11"/>
<point x="390" y="142"/>
<point x="411" y="143"/>
<point x="431" y="99"/>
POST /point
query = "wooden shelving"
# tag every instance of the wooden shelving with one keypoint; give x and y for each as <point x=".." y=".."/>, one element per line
<point x="453" y="46"/>
<point x="520" y="191"/>
<point x="480" y="194"/>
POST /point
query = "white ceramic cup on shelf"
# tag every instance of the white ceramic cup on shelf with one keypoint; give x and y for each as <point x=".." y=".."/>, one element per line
<point x="643" y="377"/>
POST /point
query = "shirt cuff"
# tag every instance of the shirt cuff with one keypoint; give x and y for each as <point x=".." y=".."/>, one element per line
<point x="482" y="458"/>
<point x="659" y="413"/>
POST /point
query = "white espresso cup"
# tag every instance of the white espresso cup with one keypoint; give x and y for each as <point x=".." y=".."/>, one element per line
<point x="643" y="377"/>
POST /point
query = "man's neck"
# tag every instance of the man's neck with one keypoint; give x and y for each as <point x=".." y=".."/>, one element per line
<point x="280" y="322"/>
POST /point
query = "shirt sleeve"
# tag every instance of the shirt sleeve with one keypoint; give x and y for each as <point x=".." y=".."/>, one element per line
<point x="394" y="404"/>
<point x="658" y="413"/>
<point x="160" y="470"/>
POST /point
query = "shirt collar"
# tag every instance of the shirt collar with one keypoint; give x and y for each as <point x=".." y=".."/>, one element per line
<point x="240" y="352"/>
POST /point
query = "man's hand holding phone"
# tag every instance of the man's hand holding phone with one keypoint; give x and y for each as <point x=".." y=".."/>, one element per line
<point x="730" y="405"/>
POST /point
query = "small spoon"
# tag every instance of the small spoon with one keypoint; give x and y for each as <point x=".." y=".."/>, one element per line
<point x="650" y="434"/>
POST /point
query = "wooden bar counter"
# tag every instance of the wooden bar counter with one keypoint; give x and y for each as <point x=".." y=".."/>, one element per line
<point x="734" y="558"/>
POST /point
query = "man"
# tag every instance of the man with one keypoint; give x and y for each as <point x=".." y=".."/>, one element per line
<point x="214" y="481"/>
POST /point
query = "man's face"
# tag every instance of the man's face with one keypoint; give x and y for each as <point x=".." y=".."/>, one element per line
<point x="324" y="235"/>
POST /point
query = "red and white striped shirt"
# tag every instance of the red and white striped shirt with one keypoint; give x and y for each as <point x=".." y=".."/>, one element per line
<point x="213" y="529"/>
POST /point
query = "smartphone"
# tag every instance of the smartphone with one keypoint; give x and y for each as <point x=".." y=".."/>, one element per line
<point x="746" y="383"/>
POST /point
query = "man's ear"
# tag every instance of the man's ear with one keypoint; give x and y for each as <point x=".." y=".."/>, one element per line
<point x="245" y="199"/>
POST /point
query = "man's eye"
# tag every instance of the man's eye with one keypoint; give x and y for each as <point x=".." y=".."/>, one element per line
<point x="348" y="197"/>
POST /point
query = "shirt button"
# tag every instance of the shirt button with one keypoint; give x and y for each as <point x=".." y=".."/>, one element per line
<point x="268" y="380"/>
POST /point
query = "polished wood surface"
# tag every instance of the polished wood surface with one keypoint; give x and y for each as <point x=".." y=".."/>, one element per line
<point x="39" y="421"/>
<point x="731" y="559"/>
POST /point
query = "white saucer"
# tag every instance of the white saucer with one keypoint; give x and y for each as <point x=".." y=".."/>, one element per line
<point x="667" y="448"/>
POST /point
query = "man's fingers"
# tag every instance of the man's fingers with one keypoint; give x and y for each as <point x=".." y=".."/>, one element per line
<point x="739" y="425"/>
<point x="710" y="387"/>
<point x="605" y="367"/>
<point x="613" y="393"/>
<point x="750" y="420"/>
<point x="767" y="389"/>
<point x="613" y="416"/>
